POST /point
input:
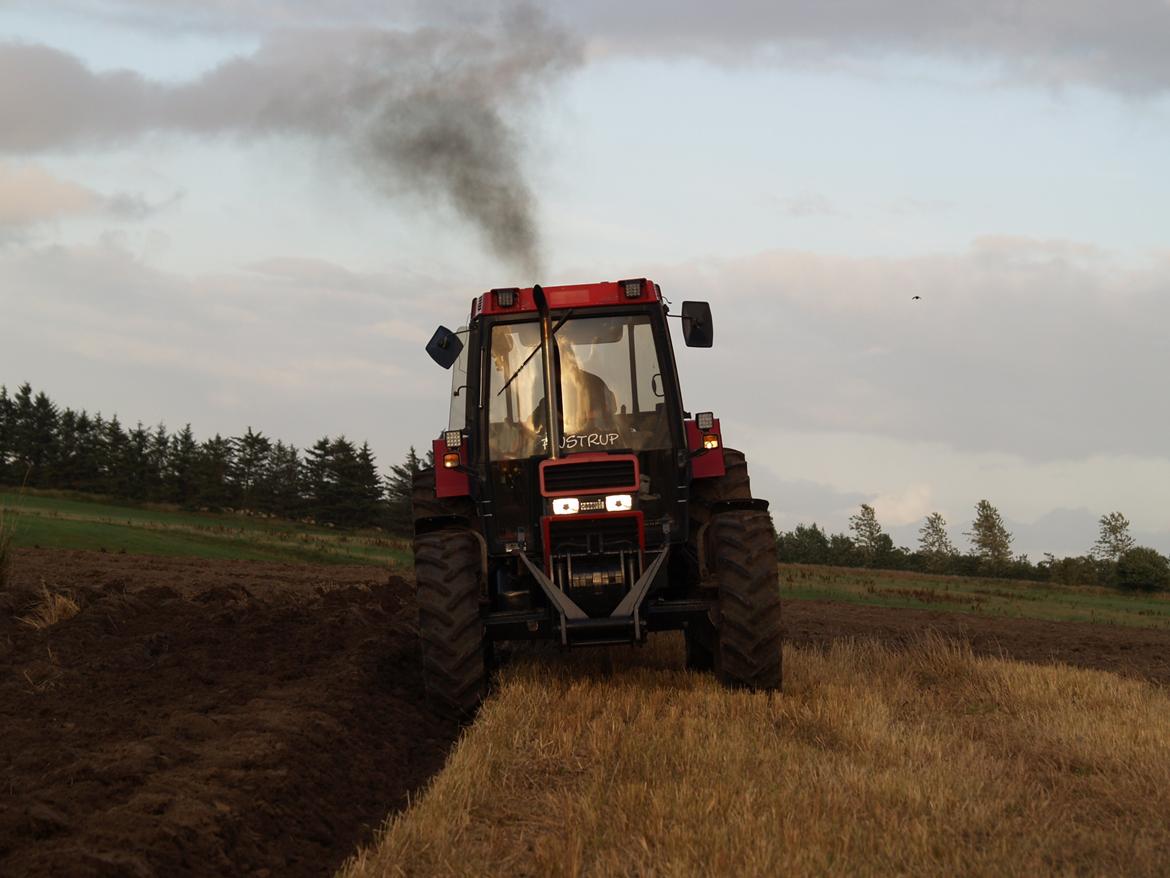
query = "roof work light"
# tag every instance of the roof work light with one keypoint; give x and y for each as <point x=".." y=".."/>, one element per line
<point x="633" y="288"/>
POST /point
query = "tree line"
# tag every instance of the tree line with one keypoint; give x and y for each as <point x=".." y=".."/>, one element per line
<point x="1113" y="560"/>
<point x="334" y="481"/>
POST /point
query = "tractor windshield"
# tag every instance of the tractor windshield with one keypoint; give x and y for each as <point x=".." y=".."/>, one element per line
<point x="612" y="394"/>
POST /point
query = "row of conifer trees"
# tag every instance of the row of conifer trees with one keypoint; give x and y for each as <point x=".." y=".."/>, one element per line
<point x="334" y="481"/>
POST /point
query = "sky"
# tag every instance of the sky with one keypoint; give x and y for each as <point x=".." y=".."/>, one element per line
<point x="254" y="214"/>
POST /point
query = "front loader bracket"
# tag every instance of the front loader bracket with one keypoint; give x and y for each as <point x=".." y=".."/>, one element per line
<point x="625" y="616"/>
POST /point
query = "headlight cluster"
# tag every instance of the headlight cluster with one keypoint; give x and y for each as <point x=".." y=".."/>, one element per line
<point x="612" y="503"/>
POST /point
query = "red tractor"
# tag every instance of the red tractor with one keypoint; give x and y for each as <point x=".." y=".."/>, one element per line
<point x="591" y="514"/>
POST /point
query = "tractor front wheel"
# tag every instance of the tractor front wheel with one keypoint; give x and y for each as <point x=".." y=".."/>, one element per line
<point x="747" y="647"/>
<point x="447" y="576"/>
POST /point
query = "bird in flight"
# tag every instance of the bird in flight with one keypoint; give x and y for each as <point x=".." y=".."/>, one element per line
<point x="912" y="298"/>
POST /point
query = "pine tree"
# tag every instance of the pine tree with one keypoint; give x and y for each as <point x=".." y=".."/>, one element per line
<point x="284" y="468"/>
<point x="22" y="406"/>
<point x="934" y="543"/>
<point x="250" y="469"/>
<point x="183" y="471"/>
<point x="43" y="439"/>
<point x="62" y="475"/>
<point x="85" y="468"/>
<point x="368" y="487"/>
<point x="215" y="464"/>
<point x="7" y="450"/>
<point x="317" y="479"/>
<point x="113" y="459"/>
<point x="399" y="490"/>
<point x="137" y="463"/>
<point x="158" y="464"/>
<point x="1114" y="540"/>
<point x="346" y="506"/>
<point x="989" y="537"/>
<point x="24" y="442"/>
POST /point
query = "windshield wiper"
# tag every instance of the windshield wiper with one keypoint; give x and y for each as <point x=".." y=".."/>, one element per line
<point x="535" y="351"/>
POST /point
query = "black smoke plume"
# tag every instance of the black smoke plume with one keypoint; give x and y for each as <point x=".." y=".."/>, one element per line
<point x="432" y="111"/>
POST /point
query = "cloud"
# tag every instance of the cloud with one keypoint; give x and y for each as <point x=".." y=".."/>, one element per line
<point x="110" y="332"/>
<point x="31" y="195"/>
<point x="429" y="111"/>
<point x="903" y="507"/>
<point x="133" y="206"/>
<point x="1120" y="47"/>
<point x="1043" y="349"/>
<point x="806" y="204"/>
<point x="400" y="330"/>
<point x="1045" y="43"/>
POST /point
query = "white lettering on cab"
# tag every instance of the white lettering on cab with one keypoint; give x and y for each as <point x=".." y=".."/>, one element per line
<point x="589" y="440"/>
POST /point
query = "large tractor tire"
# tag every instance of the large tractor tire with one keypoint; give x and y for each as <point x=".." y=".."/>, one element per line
<point x="436" y="511"/>
<point x="747" y="643"/>
<point x="734" y="484"/>
<point x="447" y="575"/>
<point x="737" y="548"/>
<point x="706" y="495"/>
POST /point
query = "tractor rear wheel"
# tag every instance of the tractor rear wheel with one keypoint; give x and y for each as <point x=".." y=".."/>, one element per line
<point x="425" y="505"/>
<point x="747" y="647"/>
<point x="451" y="634"/>
<point x="706" y="495"/>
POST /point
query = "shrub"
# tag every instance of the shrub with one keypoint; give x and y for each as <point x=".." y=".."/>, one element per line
<point x="1143" y="568"/>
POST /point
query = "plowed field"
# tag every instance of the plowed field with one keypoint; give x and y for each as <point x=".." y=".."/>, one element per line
<point x="235" y="718"/>
<point x="214" y="717"/>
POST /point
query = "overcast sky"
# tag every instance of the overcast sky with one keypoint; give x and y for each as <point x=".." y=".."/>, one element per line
<point x="254" y="213"/>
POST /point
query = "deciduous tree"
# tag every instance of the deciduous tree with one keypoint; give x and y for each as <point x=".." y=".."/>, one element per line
<point x="1114" y="539"/>
<point x="989" y="537"/>
<point x="934" y="543"/>
<point x="867" y="534"/>
<point x="1144" y="568"/>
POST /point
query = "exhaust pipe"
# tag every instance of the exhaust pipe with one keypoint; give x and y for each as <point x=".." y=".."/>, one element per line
<point x="552" y="389"/>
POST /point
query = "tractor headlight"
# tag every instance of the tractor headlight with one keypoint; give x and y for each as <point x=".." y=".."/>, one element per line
<point x="619" y="503"/>
<point x="565" y="506"/>
<point x="454" y="439"/>
<point x="705" y="421"/>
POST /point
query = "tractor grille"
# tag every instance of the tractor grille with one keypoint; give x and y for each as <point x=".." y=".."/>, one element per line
<point x="594" y="535"/>
<point x="613" y="474"/>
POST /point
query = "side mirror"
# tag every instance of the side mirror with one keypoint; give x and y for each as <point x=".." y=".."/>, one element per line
<point x="444" y="347"/>
<point x="698" y="332"/>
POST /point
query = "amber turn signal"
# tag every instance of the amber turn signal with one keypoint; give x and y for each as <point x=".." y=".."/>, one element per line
<point x="451" y="460"/>
<point x="711" y="440"/>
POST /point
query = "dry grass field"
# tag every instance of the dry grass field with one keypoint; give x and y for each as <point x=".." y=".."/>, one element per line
<point x="874" y="761"/>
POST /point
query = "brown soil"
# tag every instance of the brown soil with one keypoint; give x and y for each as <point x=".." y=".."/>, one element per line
<point x="1136" y="652"/>
<point x="201" y="717"/>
